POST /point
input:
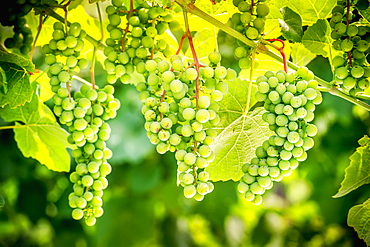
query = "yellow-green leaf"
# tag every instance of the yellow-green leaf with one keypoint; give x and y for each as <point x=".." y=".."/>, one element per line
<point x="358" y="172"/>
<point x="239" y="134"/>
<point x="358" y="218"/>
<point x="38" y="135"/>
<point x="16" y="87"/>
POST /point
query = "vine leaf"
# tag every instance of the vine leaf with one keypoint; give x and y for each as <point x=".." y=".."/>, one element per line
<point x="309" y="10"/>
<point x="363" y="8"/>
<point x="358" y="172"/>
<point x="8" y="57"/>
<point x="204" y="42"/>
<point x="301" y="55"/>
<point x="291" y="25"/>
<point x="358" y="218"/>
<point x="15" y="85"/>
<point x="38" y="135"/>
<point x="315" y="38"/>
<point x="240" y="132"/>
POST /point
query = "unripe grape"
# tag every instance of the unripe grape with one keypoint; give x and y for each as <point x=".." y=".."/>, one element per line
<point x="214" y="57"/>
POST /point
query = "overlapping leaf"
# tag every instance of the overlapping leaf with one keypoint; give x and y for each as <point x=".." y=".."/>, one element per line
<point x="358" y="218"/>
<point x="309" y="10"/>
<point x="300" y="55"/>
<point x="358" y="172"/>
<point x="16" y="59"/>
<point x="240" y="133"/>
<point x="15" y="82"/>
<point x="38" y="135"/>
<point x="316" y="38"/>
<point x="291" y="25"/>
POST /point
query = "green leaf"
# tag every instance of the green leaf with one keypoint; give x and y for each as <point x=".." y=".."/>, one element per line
<point x="358" y="218"/>
<point x="239" y="134"/>
<point x="16" y="85"/>
<point x="291" y="25"/>
<point x="38" y="135"/>
<point x="310" y="11"/>
<point x="301" y="55"/>
<point x="316" y="38"/>
<point x="74" y="4"/>
<point x="204" y="43"/>
<point x="363" y="8"/>
<point x="265" y="63"/>
<point x="358" y="172"/>
<point x="8" y="57"/>
<point x="43" y="80"/>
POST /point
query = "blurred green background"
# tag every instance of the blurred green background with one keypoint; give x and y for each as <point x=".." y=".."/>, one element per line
<point x="144" y="207"/>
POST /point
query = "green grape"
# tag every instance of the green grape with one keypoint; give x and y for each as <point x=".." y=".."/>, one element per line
<point x="214" y="57"/>
<point x="190" y="191"/>
<point x="252" y="33"/>
<point x="357" y="71"/>
<point x="346" y="45"/>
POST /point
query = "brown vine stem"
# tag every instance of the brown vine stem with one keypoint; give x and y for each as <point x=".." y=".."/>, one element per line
<point x="250" y="84"/>
<point x="181" y="43"/>
<point x="195" y="57"/>
<point x="66" y="15"/>
<point x="125" y="31"/>
<point x="197" y="66"/>
<point x="37" y="36"/>
<point x="92" y="68"/>
<point x="281" y="50"/>
<point x="349" y="53"/>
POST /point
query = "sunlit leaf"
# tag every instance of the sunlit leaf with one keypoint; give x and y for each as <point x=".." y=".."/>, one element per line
<point x="291" y="25"/>
<point x="300" y="55"/>
<point x="358" y="218"/>
<point x="239" y="133"/>
<point x="204" y="43"/>
<point x="266" y="63"/>
<point x="38" y="135"/>
<point x="43" y="80"/>
<point x="309" y="10"/>
<point x="315" y="38"/>
<point x="16" y="85"/>
<point x="358" y="172"/>
<point x="8" y="57"/>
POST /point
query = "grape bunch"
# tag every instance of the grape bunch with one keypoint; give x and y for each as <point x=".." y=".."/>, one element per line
<point x="85" y="113"/>
<point x="86" y="116"/>
<point x="250" y="21"/>
<point x="62" y="54"/>
<point x="290" y="100"/>
<point x="179" y="106"/>
<point x="135" y="42"/>
<point x="22" y="38"/>
<point x="351" y="37"/>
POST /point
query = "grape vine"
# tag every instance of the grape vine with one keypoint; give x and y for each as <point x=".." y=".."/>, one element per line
<point x="153" y="46"/>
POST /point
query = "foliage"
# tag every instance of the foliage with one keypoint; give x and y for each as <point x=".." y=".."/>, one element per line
<point x="141" y="187"/>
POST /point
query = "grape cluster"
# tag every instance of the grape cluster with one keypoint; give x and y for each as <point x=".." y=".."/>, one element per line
<point x="136" y="42"/>
<point x="16" y="11"/>
<point x="351" y="37"/>
<point x="290" y="100"/>
<point x="250" y="21"/>
<point x="180" y="110"/>
<point x="85" y="113"/>
<point x="62" y="54"/>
